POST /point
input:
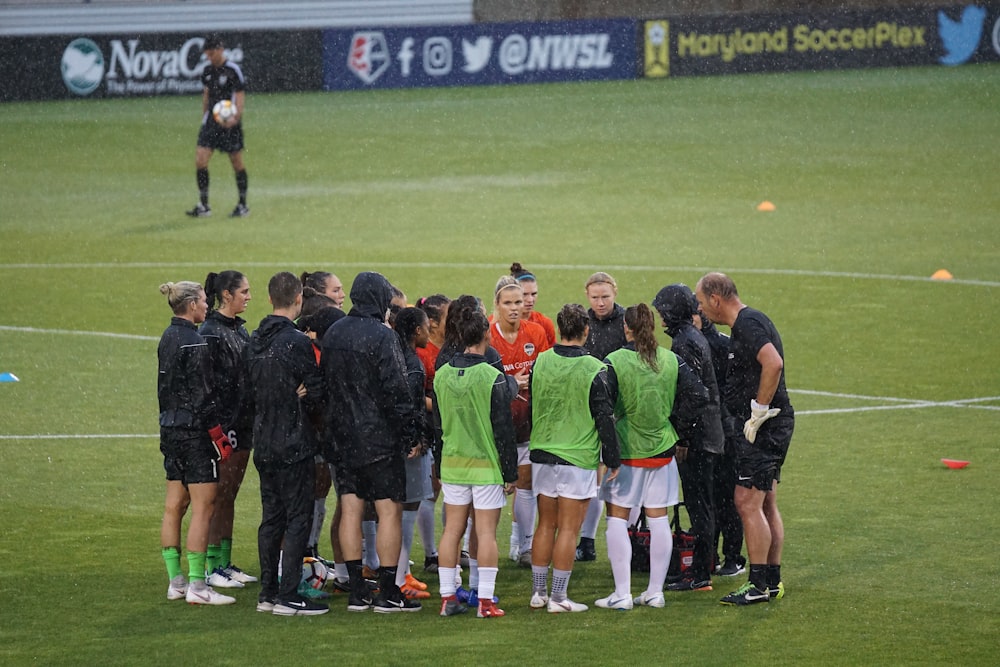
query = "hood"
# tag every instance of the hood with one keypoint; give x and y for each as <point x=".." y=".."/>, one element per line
<point x="370" y="295"/>
<point x="269" y="328"/>
<point x="676" y="304"/>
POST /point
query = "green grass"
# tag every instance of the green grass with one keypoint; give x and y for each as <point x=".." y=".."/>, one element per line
<point x="880" y="177"/>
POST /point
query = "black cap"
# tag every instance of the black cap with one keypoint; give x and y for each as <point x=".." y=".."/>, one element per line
<point x="212" y="41"/>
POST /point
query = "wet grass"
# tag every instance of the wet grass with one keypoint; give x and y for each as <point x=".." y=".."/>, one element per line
<point x="879" y="177"/>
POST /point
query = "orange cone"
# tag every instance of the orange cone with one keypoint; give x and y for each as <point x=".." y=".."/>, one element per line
<point x="942" y="274"/>
<point x="765" y="206"/>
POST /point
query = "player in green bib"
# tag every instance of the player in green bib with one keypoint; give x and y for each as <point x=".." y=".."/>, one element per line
<point x="659" y="401"/>
<point x="573" y="430"/>
<point x="477" y="451"/>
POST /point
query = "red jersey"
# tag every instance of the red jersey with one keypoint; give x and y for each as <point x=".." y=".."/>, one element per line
<point x="517" y="356"/>
<point x="428" y="356"/>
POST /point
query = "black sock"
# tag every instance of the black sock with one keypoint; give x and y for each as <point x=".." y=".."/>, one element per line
<point x="241" y="185"/>
<point x="773" y="576"/>
<point x="358" y="586"/>
<point x="202" y="178"/>
<point x="758" y="576"/>
<point x="387" y="579"/>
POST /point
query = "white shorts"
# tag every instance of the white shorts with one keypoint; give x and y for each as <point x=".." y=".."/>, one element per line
<point x="418" y="479"/>
<point x="643" y="487"/>
<point x="563" y="481"/>
<point x="487" y="497"/>
<point x="523" y="454"/>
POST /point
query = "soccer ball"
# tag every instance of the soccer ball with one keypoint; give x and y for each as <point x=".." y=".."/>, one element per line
<point x="223" y="111"/>
<point x="314" y="572"/>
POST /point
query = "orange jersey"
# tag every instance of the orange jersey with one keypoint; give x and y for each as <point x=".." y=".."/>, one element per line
<point x="545" y="323"/>
<point x="519" y="356"/>
<point x="428" y="356"/>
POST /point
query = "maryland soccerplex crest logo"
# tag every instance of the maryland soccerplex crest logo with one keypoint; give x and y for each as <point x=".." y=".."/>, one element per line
<point x="82" y="66"/>
<point x="656" y="63"/>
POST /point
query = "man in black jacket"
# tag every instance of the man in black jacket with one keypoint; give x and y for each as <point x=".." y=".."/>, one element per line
<point x="371" y="427"/>
<point x="285" y="391"/>
<point x="696" y="464"/>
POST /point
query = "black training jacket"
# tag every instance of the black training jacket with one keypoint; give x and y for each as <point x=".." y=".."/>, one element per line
<point x="370" y="414"/>
<point x="279" y="359"/>
<point x="690" y="345"/>
<point x="227" y="339"/>
<point x="184" y="384"/>
<point x="606" y="335"/>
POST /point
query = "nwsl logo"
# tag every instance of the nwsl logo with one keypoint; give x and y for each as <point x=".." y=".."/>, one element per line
<point x="529" y="349"/>
<point x="369" y="56"/>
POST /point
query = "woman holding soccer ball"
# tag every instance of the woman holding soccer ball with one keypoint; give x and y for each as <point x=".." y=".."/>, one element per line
<point x="191" y="440"/>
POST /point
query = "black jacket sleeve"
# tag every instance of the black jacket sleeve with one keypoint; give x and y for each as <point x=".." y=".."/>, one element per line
<point x="503" y="427"/>
<point x="690" y="402"/>
<point x="602" y="408"/>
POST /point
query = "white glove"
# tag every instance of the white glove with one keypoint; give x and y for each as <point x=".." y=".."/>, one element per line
<point x="758" y="415"/>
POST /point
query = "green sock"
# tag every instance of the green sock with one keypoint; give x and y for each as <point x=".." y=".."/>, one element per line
<point x="213" y="558"/>
<point x="196" y="565"/>
<point x="172" y="558"/>
<point x="226" y="551"/>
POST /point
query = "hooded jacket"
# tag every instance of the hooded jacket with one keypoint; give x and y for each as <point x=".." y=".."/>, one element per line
<point x="279" y="359"/>
<point x="677" y="305"/>
<point x="227" y="339"/>
<point x="370" y="414"/>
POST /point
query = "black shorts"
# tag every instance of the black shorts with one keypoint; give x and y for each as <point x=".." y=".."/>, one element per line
<point x="384" y="479"/>
<point x="759" y="464"/>
<point x="214" y="136"/>
<point x="188" y="456"/>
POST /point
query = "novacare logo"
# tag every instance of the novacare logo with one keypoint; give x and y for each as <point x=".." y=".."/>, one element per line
<point x="133" y="63"/>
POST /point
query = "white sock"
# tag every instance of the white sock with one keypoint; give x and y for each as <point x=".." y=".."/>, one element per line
<point x="487" y="582"/>
<point x="524" y="514"/>
<point x="465" y="538"/>
<point x="446" y="581"/>
<point x="661" y="544"/>
<point x="319" y="514"/>
<point x="560" y="584"/>
<point x="515" y="533"/>
<point x="425" y="524"/>
<point x="620" y="555"/>
<point x="592" y="520"/>
<point x="369" y="530"/>
<point x="473" y="574"/>
<point x="405" y="545"/>
<point x="633" y="515"/>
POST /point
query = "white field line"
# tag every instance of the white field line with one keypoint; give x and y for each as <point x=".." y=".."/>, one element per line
<point x="461" y="265"/>
<point x="70" y="332"/>
<point x="902" y="404"/>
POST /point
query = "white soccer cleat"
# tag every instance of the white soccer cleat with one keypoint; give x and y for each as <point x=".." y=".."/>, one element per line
<point x="236" y="574"/>
<point x="538" y="600"/>
<point x="647" y="599"/>
<point x="177" y="589"/>
<point x="564" y="606"/>
<point x="204" y="594"/>
<point x="219" y="579"/>
<point x="623" y="603"/>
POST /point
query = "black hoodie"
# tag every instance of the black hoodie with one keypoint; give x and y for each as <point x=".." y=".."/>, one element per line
<point x="279" y="359"/>
<point x="370" y="415"/>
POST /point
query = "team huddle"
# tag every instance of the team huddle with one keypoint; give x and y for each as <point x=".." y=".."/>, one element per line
<point x="396" y="405"/>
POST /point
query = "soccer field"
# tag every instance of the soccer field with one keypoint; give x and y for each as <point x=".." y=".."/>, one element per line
<point x="879" y="179"/>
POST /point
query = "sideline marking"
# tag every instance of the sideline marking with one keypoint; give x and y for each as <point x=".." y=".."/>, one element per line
<point x="907" y="404"/>
<point x="105" y="334"/>
<point x="548" y="267"/>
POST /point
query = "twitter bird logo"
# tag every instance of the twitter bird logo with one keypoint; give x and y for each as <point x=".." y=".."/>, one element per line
<point x="961" y="38"/>
<point x="477" y="55"/>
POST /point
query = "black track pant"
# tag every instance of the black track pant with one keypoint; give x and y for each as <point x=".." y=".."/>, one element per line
<point x="698" y="482"/>
<point x="287" y="498"/>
